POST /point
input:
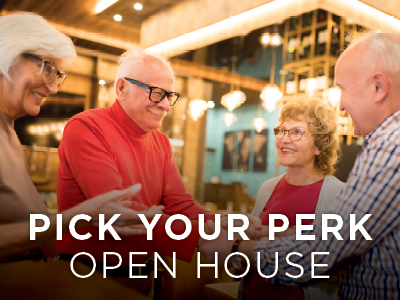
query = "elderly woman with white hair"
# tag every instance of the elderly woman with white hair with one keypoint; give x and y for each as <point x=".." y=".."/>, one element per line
<point x="33" y="56"/>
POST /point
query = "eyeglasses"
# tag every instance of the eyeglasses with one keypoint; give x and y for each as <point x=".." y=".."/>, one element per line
<point x="157" y="94"/>
<point x="48" y="71"/>
<point x="295" y="134"/>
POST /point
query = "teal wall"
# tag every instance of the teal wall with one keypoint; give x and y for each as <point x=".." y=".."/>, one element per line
<point x="216" y="129"/>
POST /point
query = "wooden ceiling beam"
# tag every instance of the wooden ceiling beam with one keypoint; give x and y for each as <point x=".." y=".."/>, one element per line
<point x="190" y="69"/>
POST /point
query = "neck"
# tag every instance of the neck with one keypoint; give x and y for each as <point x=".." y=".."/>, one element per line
<point x="303" y="176"/>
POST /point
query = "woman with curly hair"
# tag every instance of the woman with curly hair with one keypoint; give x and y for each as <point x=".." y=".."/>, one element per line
<point x="308" y="145"/>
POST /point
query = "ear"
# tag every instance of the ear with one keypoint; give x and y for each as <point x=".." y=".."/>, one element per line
<point x="381" y="83"/>
<point x="317" y="151"/>
<point x="120" y="89"/>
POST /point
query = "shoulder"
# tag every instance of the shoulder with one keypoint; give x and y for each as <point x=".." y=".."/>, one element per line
<point x="91" y="118"/>
<point x="270" y="184"/>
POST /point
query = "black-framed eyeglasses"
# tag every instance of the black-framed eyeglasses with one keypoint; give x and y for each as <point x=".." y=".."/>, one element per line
<point x="48" y="71"/>
<point x="295" y="134"/>
<point x="157" y="94"/>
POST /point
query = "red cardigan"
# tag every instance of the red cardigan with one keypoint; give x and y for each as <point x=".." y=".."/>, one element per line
<point x="102" y="150"/>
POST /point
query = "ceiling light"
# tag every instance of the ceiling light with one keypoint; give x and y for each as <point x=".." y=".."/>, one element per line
<point x="102" y="82"/>
<point x="138" y="6"/>
<point x="229" y="118"/>
<point x="259" y="124"/>
<point x="118" y="18"/>
<point x="270" y="96"/>
<point x="210" y="104"/>
<point x="197" y="108"/>
<point x="233" y="99"/>
<point x="103" y="4"/>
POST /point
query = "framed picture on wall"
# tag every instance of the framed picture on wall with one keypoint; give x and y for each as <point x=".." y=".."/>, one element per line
<point x="244" y="141"/>
<point x="260" y="151"/>
<point x="229" y="150"/>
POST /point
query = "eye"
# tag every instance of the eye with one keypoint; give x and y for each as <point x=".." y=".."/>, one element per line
<point x="297" y="132"/>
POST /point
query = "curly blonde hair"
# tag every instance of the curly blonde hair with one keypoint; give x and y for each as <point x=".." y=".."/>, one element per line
<point x="321" y="120"/>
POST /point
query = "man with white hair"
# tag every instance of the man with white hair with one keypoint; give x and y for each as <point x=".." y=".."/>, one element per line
<point x="368" y="73"/>
<point x="111" y="148"/>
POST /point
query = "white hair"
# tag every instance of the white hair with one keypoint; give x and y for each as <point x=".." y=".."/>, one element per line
<point x="381" y="50"/>
<point x="24" y="32"/>
<point x="134" y="61"/>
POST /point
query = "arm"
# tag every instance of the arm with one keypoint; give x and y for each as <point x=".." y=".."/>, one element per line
<point x="86" y="153"/>
<point x="15" y="237"/>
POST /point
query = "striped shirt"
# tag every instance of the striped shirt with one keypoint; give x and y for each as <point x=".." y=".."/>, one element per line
<point x="372" y="266"/>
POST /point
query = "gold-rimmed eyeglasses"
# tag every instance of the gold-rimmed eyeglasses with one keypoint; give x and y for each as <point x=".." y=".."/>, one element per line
<point x="295" y="134"/>
<point x="48" y="71"/>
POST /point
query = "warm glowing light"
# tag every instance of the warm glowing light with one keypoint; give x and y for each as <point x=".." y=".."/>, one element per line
<point x="58" y="136"/>
<point x="118" y="18"/>
<point x="210" y="104"/>
<point x="103" y="4"/>
<point x="259" y="124"/>
<point x="46" y="129"/>
<point x="265" y="38"/>
<point x="138" y="6"/>
<point x="311" y="86"/>
<point x="332" y="95"/>
<point x="197" y="108"/>
<point x="102" y="82"/>
<point x="271" y="95"/>
<point x="233" y="100"/>
<point x="229" y="118"/>
<point x="53" y="127"/>
<point x="271" y="13"/>
<point x="32" y="129"/>
<point x="276" y="40"/>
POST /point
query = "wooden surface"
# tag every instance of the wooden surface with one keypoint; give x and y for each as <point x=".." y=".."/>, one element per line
<point x="41" y="280"/>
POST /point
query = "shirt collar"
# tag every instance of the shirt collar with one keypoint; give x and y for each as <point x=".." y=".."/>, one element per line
<point x="126" y="122"/>
<point x="384" y="124"/>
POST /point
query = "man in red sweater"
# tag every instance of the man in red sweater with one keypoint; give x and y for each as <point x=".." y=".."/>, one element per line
<point x="115" y="147"/>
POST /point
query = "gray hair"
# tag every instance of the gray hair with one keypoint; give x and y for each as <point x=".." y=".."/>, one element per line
<point x="382" y="50"/>
<point x="28" y="32"/>
<point x="134" y="60"/>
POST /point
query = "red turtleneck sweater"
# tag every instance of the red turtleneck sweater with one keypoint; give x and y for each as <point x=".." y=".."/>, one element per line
<point x="103" y="150"/>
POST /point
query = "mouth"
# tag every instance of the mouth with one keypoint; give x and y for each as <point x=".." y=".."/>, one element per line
<point x="38" y="95"/>
<point x="286" y="150"/>
<point x="157" y="112"/>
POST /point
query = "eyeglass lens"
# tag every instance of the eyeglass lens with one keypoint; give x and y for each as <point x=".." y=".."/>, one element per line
<point x="158" y="94"/>
<point x="49" y="72"/>
<point x="294" y="134"/>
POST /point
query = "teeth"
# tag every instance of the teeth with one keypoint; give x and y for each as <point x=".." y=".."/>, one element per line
<point x="38" y="96"/>
<point x="287" y="150"/>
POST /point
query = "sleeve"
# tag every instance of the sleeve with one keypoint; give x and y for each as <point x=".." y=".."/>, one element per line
<point x="92" y="162"/>
<point x="373" y="188"/>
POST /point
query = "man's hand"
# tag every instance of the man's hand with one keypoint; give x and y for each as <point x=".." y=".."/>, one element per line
<point x="113" y="203"/>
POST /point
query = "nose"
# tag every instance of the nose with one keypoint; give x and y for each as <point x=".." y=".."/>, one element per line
<point x="286" y="138"/>
<point x="52" y="87"/>
<point x="164" y="104"/>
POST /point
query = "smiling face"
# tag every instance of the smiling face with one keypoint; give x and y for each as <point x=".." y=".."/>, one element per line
<point x="25" y="93"/>
<point x="300" y="154"/>
<point x="134" y="99"/>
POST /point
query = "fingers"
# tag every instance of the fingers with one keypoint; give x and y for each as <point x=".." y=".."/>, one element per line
<point x="224" y="223"/>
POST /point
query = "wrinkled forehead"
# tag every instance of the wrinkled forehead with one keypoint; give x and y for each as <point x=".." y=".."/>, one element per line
<point x="153" y="72"/>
